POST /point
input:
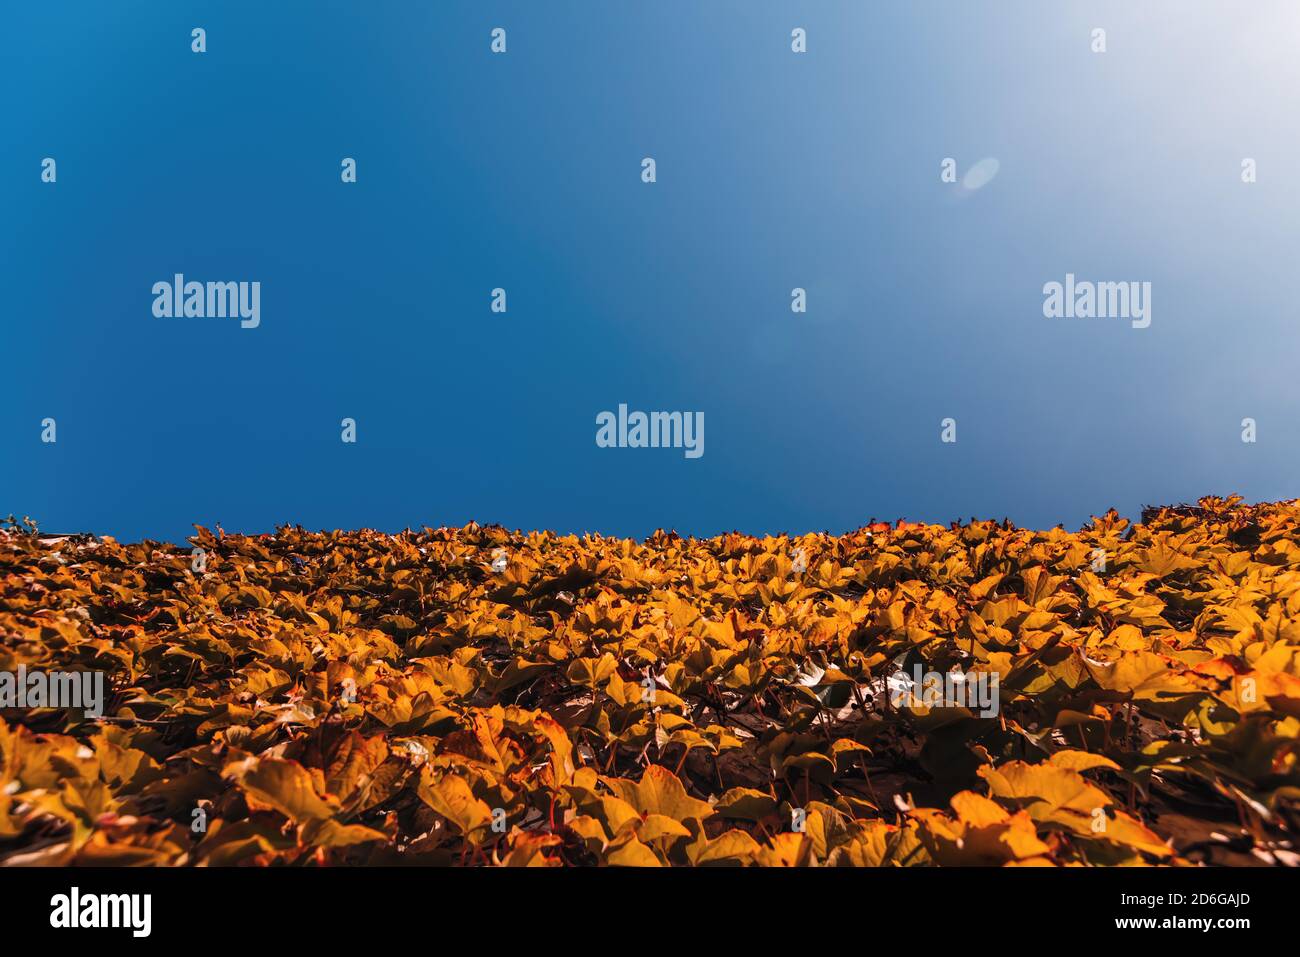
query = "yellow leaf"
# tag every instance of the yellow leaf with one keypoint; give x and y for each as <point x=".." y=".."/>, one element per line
<point x="1082" y="761"/>
<point x="1043" y="789"/>
<point x="283" y="786"/>
<point x="730" y="847"/>
<point x="451" y="797"/>
<point x="632" y="853"/>
<point x="660" y="792"/>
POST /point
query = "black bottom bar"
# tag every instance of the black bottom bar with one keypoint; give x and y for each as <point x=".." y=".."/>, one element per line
<point x="391" y="907"/>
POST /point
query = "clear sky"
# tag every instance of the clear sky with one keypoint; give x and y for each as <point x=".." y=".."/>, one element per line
<point x="523" y="171"/>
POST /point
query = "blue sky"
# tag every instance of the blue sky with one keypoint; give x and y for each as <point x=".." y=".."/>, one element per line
<point x="775" y="170"/>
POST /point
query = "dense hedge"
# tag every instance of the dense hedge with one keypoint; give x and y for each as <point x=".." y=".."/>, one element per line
<point x="477" y="696"/>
